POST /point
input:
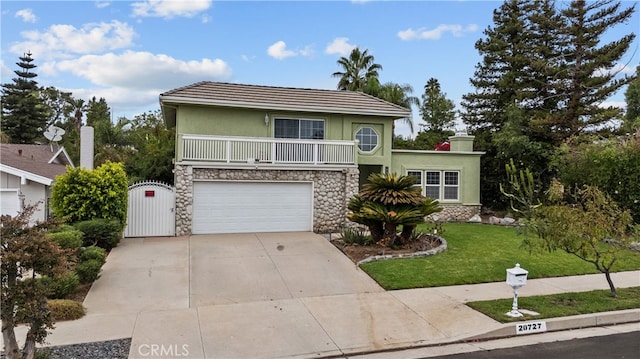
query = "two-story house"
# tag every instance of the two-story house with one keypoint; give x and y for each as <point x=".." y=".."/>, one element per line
<point x="270" y="159"/>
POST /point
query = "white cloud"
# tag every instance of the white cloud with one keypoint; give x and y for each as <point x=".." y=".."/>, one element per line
<point x="247" y="58"/>
<point x="340" y="46"/>
<point x="170" y="8"/>
<point x="136" y="71"/>
<point x="617" y="69"/>
<point x="102" y="4"/>
<point x="435" y="34"/>
<point x="130" y="82"/>
<point x="61" y="41"/>
<point x="279" y="51"/>
<point x="619" y="104"/>
<point x="5" y="72"/>
<point x="26" y="15"/>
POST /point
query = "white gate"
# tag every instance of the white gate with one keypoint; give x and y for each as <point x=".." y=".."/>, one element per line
<point x="150" y="210"/>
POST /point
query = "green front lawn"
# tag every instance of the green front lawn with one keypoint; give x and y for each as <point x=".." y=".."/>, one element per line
<point x="480" y="253"/>
<point x="561" y="305"/>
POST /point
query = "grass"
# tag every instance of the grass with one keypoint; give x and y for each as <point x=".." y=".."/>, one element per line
<point x="480" y="253"/>
<point x="561" y="305"/>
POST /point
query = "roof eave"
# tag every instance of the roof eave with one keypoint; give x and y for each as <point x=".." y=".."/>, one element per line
<point x="26" y="174"/>
<point x="282" y="107"/>
<point x="66" y="158"/>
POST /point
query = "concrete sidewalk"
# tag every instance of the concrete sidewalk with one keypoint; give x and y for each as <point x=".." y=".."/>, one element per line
<point x="172" y="311"/>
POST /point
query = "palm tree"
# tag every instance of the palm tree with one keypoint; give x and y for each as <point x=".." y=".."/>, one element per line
<point x="389" y="200"/>
<point x="399" y="95"/>
<point x="358" y="69"/>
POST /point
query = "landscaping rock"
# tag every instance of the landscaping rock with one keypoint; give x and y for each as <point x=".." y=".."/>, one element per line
<point x="475" y="219"/>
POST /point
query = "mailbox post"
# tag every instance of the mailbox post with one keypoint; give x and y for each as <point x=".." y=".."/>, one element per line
<point x="516" y="278"/>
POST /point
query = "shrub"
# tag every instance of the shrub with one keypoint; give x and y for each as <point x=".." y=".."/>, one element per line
<point x="65" y="309"/>
<point x="62" y="285"/>
<point x="82" y="194"/>
<point x="62" y="228"/>
<point x="100" y="232"/>
<point x="68" y="239"/>
<point x="93" y="253"/>
<point x="88" y="271"/>
<point x="354" y="236"/>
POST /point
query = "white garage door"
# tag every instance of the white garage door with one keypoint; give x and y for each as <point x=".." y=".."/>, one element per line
<point x="242" y="207"/>
<point x="9" y="202"/>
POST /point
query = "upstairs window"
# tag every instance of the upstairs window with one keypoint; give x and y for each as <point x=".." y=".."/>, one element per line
<point x="367" y="139"/>
<point x="304" y="129"/>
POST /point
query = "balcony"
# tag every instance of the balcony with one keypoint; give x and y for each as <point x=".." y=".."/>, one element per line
<point x="264" y="150"/>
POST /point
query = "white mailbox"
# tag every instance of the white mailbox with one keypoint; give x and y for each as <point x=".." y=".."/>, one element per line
<point x="516" y="276"/>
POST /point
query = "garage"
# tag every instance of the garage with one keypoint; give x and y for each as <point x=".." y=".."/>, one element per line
<point x="9" y="202"/>
<point x="243" y="207"/>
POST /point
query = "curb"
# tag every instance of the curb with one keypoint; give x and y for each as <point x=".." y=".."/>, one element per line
<point x="564" y="323"/>
<point x="508" y="330"/>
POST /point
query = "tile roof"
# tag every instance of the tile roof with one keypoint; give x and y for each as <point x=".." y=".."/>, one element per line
<point x="283" y="98"/>
<point x="42" y="160"/>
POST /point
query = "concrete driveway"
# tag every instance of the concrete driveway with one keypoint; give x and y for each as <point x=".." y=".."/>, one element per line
<point x="237" y="268"/>
<point x="176" y="273"/>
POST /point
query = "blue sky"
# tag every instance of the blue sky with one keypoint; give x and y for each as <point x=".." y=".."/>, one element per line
<point x="131" y="51"/>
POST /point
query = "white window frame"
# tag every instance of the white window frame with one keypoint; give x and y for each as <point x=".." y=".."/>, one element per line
<point x="442" y="185"/>
<point x="355" y="136"/>
<point x="324" y="125"/>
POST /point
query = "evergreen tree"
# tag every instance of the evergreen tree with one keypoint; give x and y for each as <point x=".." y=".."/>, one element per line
<point x="632" y="98"/>
<point x="543" y="76"/>
<point x="154" y="149"/>
<point x="23" y="111"/>
<point x="505" y="90"/>
<point x="437" y="111"/>
<point x="588" y="73"/>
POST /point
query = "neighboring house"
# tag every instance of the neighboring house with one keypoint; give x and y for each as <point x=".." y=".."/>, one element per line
<point x="26" y="175"/>
<point x="260" y="158"/>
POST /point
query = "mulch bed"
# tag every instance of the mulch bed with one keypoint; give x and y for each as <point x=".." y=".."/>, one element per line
<point x="357" y="252"/>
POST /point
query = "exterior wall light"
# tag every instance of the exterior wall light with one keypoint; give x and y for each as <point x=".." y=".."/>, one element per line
<point x="266" y="119"/>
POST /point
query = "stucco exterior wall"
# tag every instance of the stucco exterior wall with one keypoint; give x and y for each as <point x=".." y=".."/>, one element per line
<point x="30" y="193"/>
<point x="331" y="191"/>
<point x="468" y="163"/>
<point x="220" y="121"/>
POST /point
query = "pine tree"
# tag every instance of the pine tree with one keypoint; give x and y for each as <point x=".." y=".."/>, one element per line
<point x="23" y="111"/>
<point x="589" y="73"/>
<point x="437" y="111"/>
<point x="542" y="79"/>
<point x="632" y="98"/>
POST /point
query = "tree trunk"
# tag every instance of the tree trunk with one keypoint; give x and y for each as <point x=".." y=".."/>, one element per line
<point x="390" y="233"/>
<point x="11" y="349"/>
<point x="377" y="231"/>
<point x="611" y="286"/>
<point x="407" y="230"/>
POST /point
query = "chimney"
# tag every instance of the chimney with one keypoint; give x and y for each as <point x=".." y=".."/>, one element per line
<point x="86" y="147"/>
<point x="461" y="142"/>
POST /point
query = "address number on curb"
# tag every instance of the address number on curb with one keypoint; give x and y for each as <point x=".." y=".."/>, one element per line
<point x="531" y="327"/>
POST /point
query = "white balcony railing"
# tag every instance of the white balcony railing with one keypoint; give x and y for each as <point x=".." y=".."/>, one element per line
<point x="267" y="150"/>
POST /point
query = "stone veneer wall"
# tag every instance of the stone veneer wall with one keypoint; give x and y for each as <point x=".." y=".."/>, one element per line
<point x="454" y="213"/>
<point x="331" y="191"/>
